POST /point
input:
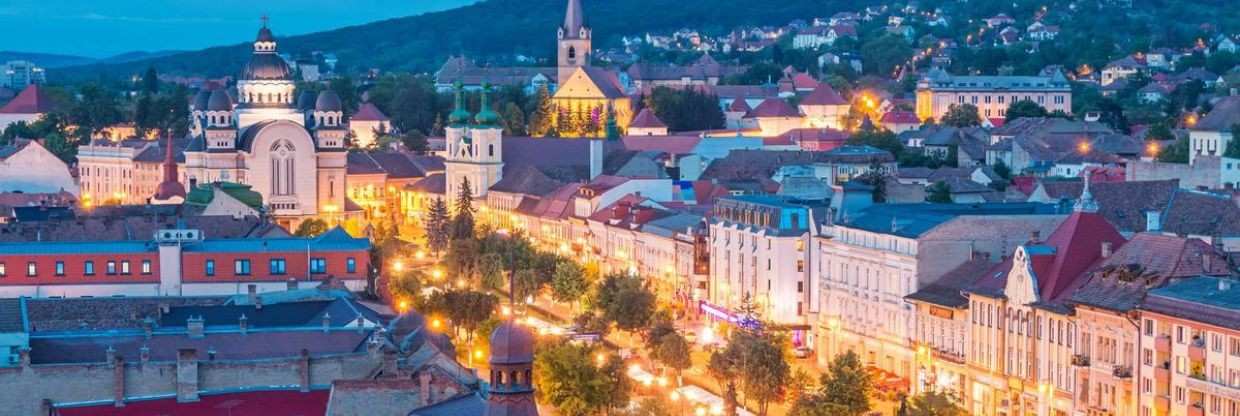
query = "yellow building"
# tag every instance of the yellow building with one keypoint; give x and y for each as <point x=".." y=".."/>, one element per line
<point x="586" y="99"/>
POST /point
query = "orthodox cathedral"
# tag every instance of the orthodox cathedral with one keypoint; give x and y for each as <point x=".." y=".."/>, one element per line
<point x="294" y="156"/>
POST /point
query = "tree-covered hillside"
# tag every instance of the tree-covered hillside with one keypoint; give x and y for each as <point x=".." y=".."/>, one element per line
<point x="488" y="28"/>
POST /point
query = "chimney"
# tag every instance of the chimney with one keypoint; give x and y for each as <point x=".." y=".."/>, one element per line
<point x="110" y="355"/>
<point x="1035" y="237"/>
<point x="1106" y="249"/>
<point x="1153" y="221"/>
<point x="252" y="293"/>
<point x="244" y="324"/>
<point x="187" y="375"/>
<point x="424" y="388"/>
<point x="118" y="381"/>
<point x="1206" y="258"/>
<point x="292" y="283"/>
<point x="144" y="355"/>
<point x="327" y="321"/>
<point x="389" y="363"/>
<point x="194" y="326"/>
<point x="303" y="371"/>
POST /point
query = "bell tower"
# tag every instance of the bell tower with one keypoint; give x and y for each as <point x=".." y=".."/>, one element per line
<point x="475" y="152"/>
<point x="574" y="42"/>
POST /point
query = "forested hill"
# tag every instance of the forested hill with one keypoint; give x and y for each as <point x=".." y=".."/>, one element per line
<point x="491" y="27"/>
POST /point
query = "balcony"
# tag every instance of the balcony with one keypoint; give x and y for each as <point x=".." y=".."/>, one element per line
<point x="1162" y="374"/>
<point x="1197" y="350"/>
<point x="1162" y="343"/>
<point x="1080" y="360"/>
<point x="1122" y="371"/>
<point x="1203" y="385"/>
<point x="1162" y="404"/>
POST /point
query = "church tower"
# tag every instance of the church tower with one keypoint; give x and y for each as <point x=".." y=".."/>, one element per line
<point x="475" y="153"/>
<point x="265" y="89"/>
<point x="574" y="42"/>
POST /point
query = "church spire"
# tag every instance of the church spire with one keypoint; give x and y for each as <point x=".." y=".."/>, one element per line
<point x="170" y="187"/>
<point x="573" y="19"/>
<point x="486" y="116"/>
<point x="1086" y="203"/>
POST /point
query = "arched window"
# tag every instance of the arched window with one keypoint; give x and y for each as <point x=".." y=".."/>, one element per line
<point x="491" y="150"/>
<point x="282" y="165"/>
<point x="499" y="378"/>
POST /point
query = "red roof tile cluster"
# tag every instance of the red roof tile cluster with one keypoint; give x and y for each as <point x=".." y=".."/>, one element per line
<point x="1078" y="244"/>
<point x="824" y="95"/>
<point x="32" y="100"/>
<point x="646" y="119"/>
<point x="739" y="105"/>
<point x="773" y="107"/>
<point x="899" y="117"/>
<point x="368" y="112"/>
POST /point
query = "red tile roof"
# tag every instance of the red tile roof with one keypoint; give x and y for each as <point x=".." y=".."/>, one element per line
<point x="899" y="117"/>
<point x="739" y="105"/>
<point x="647" y="119"/>
<point x="773" y="107"/>
<point x="1078" y="244"/>
<point x="824" y="95"/>
<point x="32" y="100"/>
<point x="368" y="112"/>
<point x="259" y="403"/>
<point x="803" y="81"/>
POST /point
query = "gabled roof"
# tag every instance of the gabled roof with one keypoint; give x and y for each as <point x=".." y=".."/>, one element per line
<point x="824" y="95"/>
<point x="899" y="117"/>
<point x="32" y="100"/>
<point x="773" y="107"/>
<point x="1150" y="260"/>
<point x="368" y="112"/>
<point x="528" y="180"/>
<point x="1226" y="112"/>
<point x="739" y="105"/>
<point x="1076" y="244"/>
<point x="647" y="119"/>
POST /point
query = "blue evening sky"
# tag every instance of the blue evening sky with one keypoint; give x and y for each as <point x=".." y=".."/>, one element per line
<point x="100" y="28"/>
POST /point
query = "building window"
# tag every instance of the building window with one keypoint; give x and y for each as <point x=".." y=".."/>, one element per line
<point x="111" y="267"/>
<point x="4" y="271"/>
<point x="32" y="269"/>
<point x="210" y="268"/>
<point x="318" y="265"/>
<point x="60" y="268"/>
<point x="88" y="268"/>
<point x="800" y="265"/>
<point x="350" y="265"/>
<point x="277" y="266"/>
<point x="146" y="267"/>
<point x="125" y="267"/>
<point x="241" y="267"/>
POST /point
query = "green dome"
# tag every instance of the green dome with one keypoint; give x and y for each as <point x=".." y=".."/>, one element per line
<point x="460" y="115"/>
<point x="486" y="116"/>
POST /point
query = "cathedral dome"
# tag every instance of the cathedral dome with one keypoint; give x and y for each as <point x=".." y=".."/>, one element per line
<point x="512" y="344"/>
<point x="305" y="100"/>
<point x="266" y="66"/>
<point x="264" y="35"/>
<point x="328" y="101"/>
<point x="201" y="100"/>
<point x="219" y="101"/>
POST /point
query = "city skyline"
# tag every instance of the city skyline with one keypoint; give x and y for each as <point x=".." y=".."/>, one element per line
<point x="88" y="29"/>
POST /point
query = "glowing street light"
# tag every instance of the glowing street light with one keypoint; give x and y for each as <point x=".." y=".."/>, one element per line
<point x="436" y="323"/>
<point x="398" y="266"/>
<point x="419" y="255"/>
<point x="437" y="274"/>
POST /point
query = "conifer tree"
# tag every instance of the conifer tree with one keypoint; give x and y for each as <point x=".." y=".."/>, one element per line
<point x="437" y="223"/>
<point x="463" y="223"/>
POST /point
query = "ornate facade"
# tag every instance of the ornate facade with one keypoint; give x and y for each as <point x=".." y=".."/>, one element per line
<point x="295" y="158"/>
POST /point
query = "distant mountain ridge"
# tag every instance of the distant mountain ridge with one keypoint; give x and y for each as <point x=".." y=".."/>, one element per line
<point x="51" y="60"/>
<point x="487" y="28"/>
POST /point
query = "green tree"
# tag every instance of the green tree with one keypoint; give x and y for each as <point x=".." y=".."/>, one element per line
<point x="569" y="379"/>
<point x="686" y="109"/>
<point x="1159" y="131"/>
<point x="469" y="309"/>
<point x="1177" y="152"/>
<point x="438" y="224"/>
<point x="934" y="403"/>
<point x="569" y="282"/>
<point x="961" y="115"/>
<point x="1233" y="146"/>
<point x="514" y="120"/>
<point x="766" y="370"/>
<point x="1024" y="108"/>
<point x="625" y="301"/>
<point x="462" y="258"/>
<point x="150" y="81"/>
<point x="415" y="141"/>
<point x="491" y="270"/>
<point x="343" y="86"/>
<point x="939" y="193"/>
<point x="540" y="123"/>
<point x="882" y="139"/>
<point x="405" y="284"/>
<point x="884" y="54"/>
<point x="846" y="384"/>
<point x="726" y="368"/>
<point x="311" y="228"/>
<point x="60" y="146"/>
<point x="96" y="110"/>
<point x="463" y="222"/>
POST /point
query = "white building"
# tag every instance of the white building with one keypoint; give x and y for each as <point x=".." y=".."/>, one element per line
<point x="992" y="95"/>
<point x="19" y="74"/>
<point x="760" y="260"/>
<point x="30" y="168"/>
<point x="868" y="262"/>
<point x="1211" y="135"/>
